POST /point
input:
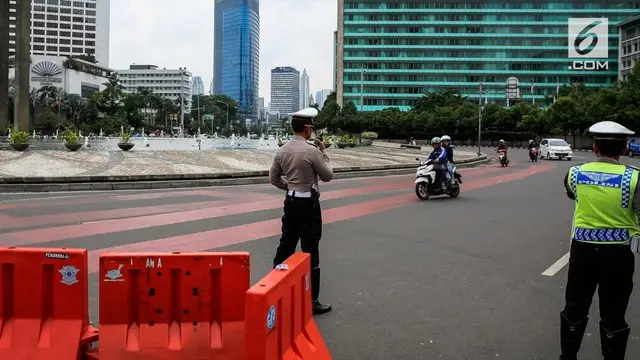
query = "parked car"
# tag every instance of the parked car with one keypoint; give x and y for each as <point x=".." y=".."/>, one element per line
<point x="555" y="148"/>
<point x="633" y="147"/>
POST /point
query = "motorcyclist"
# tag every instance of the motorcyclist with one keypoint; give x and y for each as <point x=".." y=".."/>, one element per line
<point x="446" y="144"/>
<point x="439" y="156"/>
<point x="502" y="146"/>
<point x="532" y="145"/>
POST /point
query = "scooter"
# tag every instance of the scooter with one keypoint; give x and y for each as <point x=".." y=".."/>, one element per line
<point x="426" y="180"/>
<point x="502" y="156"/>
<point x="533" y="154"/>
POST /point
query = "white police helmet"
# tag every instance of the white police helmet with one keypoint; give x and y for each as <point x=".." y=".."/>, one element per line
<point x="609" y="130"/>
<point x="446" y="138"/>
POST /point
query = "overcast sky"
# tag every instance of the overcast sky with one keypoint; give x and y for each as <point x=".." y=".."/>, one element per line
<point x="173" y="34"/>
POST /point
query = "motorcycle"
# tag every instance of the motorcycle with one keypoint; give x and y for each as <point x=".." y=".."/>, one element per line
<point x="533" y="154"/>
<point x="502" y="156"/>
<point x="426" y="181"/>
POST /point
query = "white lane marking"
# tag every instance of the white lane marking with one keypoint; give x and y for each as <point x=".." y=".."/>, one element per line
<point x="557" y="266"/>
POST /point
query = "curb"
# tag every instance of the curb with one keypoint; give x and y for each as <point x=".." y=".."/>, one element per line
<point x="520" y="147"/>
<point x="142" y="182"/>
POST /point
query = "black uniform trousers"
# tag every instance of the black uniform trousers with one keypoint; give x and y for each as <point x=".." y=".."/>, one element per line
<point x="609" y="268"/>
<point x="302" y="221"/>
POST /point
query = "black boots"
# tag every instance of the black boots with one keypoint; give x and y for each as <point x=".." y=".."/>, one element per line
<point x="571" y="337"/>
<point x="614" y="344"/>
<point x="318" y="307"/>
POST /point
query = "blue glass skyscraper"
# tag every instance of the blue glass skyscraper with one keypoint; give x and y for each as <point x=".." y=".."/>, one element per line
<point x="236" y="53"/>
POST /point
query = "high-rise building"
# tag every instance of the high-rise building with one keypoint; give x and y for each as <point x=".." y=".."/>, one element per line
<point x="236" y="53"/>
<point x="304" y="90"/>
<point x="285" y="90"/>
<point x="399" y="50"/>
<point x="197" y="88"/>
<point x="171" y="84"/>
<point x="321" y="96"/>
<point x="629" y="48"/>
<point x="66" y="27"/>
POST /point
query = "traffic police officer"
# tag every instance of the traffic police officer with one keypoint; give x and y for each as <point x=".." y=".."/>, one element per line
<point x="604" y="239"/>
<point x="301" y="164"/>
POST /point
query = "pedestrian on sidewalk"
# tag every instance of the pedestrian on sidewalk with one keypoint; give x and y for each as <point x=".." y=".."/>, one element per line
<point x="604" y="238"/>
<point x="301" y="164"/>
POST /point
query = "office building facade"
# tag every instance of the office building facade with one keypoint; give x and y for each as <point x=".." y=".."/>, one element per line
<point x="304" y="89"/>
<point x="399" y="50"/>
<point x="629" y="49"/>
<point x="197" y="86"/>
<point x="236" y="53"/>
<point x="285" y="90"/>
<point x="321" y="96"/>
<point x="170" y="84"/>
<point x="66" y="27"/>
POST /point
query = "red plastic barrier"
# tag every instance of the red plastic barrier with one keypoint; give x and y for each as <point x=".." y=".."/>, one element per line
<point x="279" y="321"/>
<point x="164" y="306"/>
<point x="44" y="311"/>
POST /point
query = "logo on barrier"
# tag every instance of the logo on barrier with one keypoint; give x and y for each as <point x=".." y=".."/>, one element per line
<point x="114" y="275"/>
<point x="56" y="256"/>
<point x="69" y="274"/>
<point x="271" y="317"/>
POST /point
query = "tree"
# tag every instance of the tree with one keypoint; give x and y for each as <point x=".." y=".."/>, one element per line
<point x="111" y="97"/>
<point x="72" y="105"/>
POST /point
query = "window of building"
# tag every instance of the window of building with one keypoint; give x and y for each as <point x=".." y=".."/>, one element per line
<point x="65" y="2"/>
<point x="78" y="4"/>
<point x="78" y="27"/>
<point x="52" y="2"/>
<point x="38" y="31"/>
<point x="78" y="34"/>
<point x="90" y="43"/>
<point x="65" y="18"/>
<point x="65" y="26"/>
<point x="52" y="48"/>
<point x="77" y="42"/>
<point x="52" y="17"/>
<point x="78" y="50"/>
<point x="38" y="40"/>
<point x="38" y="24"/>
<point x="39" y="8"/>
<point x="52" y="41"/>
<point x="91" y="13"/>
<point x="78" y="19"/>
<point x="52" y="9"/>
<point x="65" y="11"/>
<point x="90" y="20"/>
<point x="90" y="28"/>
<point x="65" y="41"/>
<point x="39" y="16"/>
<point x="90" y="5"/>
<point x="52" y="25"/>
<point x="65" y="33"/>
<point x="38" y="47"/>
<point x="78" y="11"/>
<point x="90" y="35"/>
<point x="52" y="33"/>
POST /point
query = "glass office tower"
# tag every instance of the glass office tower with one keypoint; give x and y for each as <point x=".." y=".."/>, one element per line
<point x="236" y="64"/>
<point x="398" y="50"/>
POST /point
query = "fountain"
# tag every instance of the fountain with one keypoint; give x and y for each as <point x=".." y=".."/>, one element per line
<point x="121" y="129"/>
<point x="199" y="135"/>
<point x="261" y="141"/>
<point x="101" y="133"/>
<point x="233" y="139"/>
<point x="86" y="141"/>
<point x="80" y="133"/>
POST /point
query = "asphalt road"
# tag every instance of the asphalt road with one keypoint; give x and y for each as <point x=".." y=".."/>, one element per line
<point x="443" y="279"/>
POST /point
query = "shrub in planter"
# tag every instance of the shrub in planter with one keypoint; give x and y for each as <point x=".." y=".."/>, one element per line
<point x="71" y="139"/>
<point x="125" y="142"/>
<point x="369" y="135"/>
<point x="19" y="141"/>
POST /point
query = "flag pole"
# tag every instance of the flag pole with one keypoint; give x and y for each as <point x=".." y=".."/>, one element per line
<point x="479" y="118"/>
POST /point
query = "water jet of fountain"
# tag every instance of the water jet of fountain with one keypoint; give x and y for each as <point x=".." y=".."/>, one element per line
<point x="86" y="141"/>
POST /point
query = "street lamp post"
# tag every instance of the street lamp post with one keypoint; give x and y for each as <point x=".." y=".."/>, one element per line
<point x="479" y="119"/>
<point x="227" y="105"/>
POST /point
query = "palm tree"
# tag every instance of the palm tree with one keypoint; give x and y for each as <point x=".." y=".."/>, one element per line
<point x="73" y="105"/>
<point x="51" y="96"/>
<point x="4" y="65"/>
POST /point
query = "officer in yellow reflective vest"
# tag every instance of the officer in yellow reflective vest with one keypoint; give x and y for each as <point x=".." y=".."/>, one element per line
<point x="604" y="239"/>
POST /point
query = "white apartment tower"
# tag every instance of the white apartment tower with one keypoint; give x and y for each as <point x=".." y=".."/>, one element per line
<point x="304" y="90"/>
<point x="285" y="90"/>
<point x="66" y="27"/>
<point x="198" y="86"/>
<point x="169" y="84"/>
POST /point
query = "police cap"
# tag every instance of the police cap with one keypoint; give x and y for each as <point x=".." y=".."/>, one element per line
<point x="305" y="116"/>
<point x="609" y="130"/>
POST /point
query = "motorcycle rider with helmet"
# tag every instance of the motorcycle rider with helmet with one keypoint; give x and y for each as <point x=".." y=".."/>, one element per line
<point x="446" y="144"/>
<point x="439" y="156"/>
<point x="532" y="145"/>
<point x="502" y="146"/>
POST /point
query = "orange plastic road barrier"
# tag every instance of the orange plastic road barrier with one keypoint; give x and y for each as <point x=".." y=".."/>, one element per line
<point x="279" y="321"/>
<point x="44" y="304"/>
<point x="170" y="306"/>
